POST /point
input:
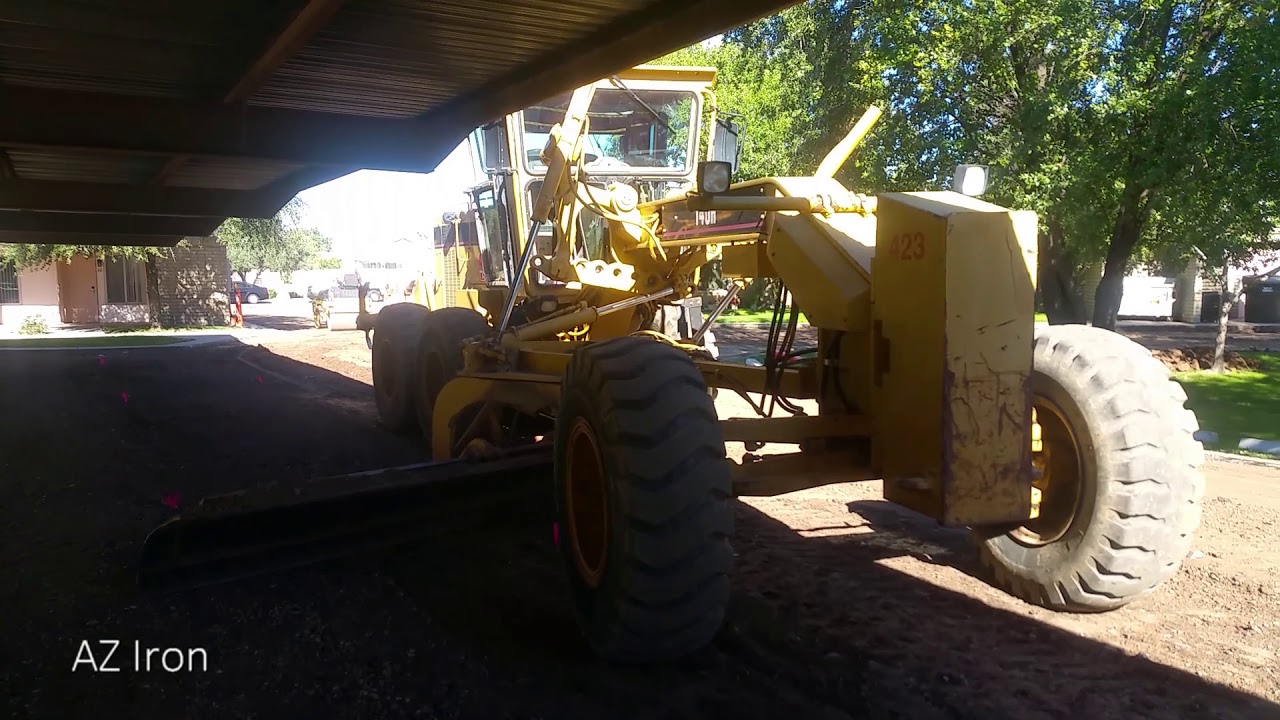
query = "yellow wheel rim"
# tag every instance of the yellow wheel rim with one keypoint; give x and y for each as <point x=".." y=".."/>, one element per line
<point x="586" y="499"/>
<point x="1059" y="467"/>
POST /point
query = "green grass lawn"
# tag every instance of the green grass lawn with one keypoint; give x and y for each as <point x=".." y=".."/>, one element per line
<point x="751" y="316"/>
<point x="92" y="341"/>
<point x="1242" y="403"/>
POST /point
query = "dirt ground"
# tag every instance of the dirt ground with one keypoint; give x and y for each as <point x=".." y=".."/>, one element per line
<point x="844" y="605"/>
<point x="1218" y="620"/>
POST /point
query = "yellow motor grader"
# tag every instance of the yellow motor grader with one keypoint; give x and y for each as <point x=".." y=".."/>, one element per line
<point x="1065" y="449"/>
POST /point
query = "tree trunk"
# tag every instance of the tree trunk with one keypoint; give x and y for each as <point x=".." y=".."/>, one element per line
<point x="1056" y="278"/>
<point x="1131" y="218"/>
<point x="1230" y="296"/>
<point x="153" y="292"/>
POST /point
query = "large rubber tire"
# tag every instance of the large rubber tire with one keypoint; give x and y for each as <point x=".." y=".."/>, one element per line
<point x="1140" y="487"/>
<point x="662" y="578"/>
<point x="439" y="356"/>
<point x="395" y="344"/>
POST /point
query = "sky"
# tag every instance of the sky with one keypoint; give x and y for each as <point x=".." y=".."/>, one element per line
<point x="367" y="210"/>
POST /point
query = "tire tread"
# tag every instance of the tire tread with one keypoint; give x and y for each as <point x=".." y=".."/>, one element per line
<point x="1153" y="465"/>
<point x="673" y="568"/>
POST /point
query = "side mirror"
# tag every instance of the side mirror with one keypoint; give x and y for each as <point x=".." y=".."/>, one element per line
<point x="728" y="147"/>
<point x="970" y="180"/>
<point x="493" y="147"/>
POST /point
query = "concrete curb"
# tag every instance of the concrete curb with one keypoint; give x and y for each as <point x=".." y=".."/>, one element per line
<point x="1242" y="459"/>
<point x="1266" y="447"/>
<point x="182" y="343"/>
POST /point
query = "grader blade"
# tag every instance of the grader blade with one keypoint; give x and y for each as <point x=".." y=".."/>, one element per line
<point x="251" y="533"/>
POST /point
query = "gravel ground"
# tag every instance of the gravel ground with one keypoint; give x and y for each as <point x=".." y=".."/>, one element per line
<point x="845" y="606"/>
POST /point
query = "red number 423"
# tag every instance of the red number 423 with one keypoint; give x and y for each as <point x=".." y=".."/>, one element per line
<point x="907" y="246"/>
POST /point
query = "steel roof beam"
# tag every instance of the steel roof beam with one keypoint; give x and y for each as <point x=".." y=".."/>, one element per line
<point x="293" y="38"/>
<point x="633" y="39"/>
<point x="85" y="197"/>
<point x="116" y="123"/>
<point x="46" y="222"/>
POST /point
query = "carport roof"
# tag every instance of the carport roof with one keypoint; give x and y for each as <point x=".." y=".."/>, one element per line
<point x="139" y="122"/>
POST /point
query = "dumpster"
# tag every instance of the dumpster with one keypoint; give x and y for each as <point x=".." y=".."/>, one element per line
<point x="1262" y="301"/>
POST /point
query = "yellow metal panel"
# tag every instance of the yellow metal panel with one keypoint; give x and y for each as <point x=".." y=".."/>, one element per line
<point x="670" y="73"/>
<point x="813" y="257"/>
<point x="468" y="299"/>
<point x="527" y="393"/>
<point x="746" y="261"/>
<point x="952" y="332"/>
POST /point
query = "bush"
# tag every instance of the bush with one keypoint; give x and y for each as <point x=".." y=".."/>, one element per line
<point x="34" y="325"/>
<point x="271" y="294"/>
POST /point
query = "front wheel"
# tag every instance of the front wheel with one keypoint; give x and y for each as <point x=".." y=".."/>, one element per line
<point x="643" y="500"/>
<point x="440" y="358"/>
<point x="1118" y="477"/>
<point x="395" y="343"/>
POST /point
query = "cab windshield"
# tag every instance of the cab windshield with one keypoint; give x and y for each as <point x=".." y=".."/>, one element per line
<point x="646" y="129"/>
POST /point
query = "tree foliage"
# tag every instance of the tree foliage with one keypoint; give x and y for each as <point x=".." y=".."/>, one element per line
<point x="34" y="257"/>
<point x="1138" y="130"/>
<point x="279" y="243"/>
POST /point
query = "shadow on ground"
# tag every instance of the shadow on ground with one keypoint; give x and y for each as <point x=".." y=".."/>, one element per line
<point x="474" y="624"/>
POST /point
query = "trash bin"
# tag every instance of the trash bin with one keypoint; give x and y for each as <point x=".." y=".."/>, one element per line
<point x="1210" y="306"/>
<point x="1262" y="301"/>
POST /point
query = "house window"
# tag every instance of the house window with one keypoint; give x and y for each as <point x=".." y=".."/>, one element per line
<point x="8" y="283"/>
<point x="124" y="281"/>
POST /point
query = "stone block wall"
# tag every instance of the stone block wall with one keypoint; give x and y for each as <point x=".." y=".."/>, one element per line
<point x="1090" y="277"/>
<point x="193" y="284"/>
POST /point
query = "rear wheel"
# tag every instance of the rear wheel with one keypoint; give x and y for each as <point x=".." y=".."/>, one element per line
<point x="395" y="341"/>
<point x="643" y="500"/>
<point x="439" y="356"/>
<point x="1119" y="478"/>
<point x="253" y="298"/>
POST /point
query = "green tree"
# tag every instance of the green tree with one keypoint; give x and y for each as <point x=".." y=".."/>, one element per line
<point x="32" y="257"/>
<point x="1125" y="124"/>
<point x="279" y="243"/>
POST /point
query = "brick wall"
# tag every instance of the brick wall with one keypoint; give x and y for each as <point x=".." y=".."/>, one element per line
<point x="193" y="284"/>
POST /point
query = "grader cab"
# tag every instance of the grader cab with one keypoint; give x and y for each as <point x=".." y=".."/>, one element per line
<point x="1066" y="449"/>
<point x="644" y="133"/>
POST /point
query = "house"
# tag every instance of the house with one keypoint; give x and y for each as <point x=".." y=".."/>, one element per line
<point x="192" y="283"/>
<point x="1190" y="296"/>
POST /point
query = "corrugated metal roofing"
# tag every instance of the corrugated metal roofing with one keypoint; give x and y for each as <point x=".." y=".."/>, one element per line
<point x="80" y="166"/>
<point x="441" y="63"/>
<point x="229" y="173"/>
<point x="400" y="58"/>
<point x="134" y="47"/>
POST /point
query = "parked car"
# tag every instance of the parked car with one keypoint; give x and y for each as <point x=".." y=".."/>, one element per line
<point x="250" y="293"/>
